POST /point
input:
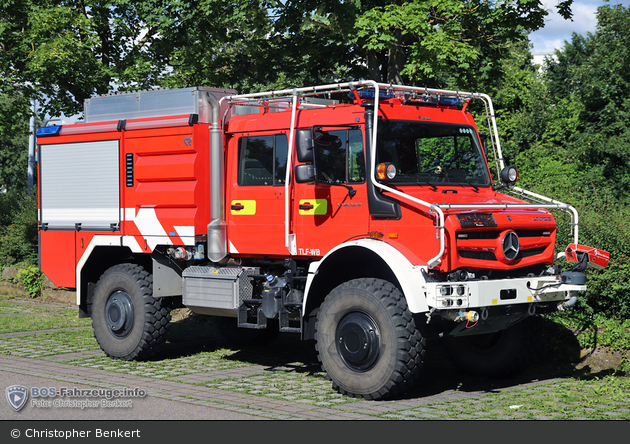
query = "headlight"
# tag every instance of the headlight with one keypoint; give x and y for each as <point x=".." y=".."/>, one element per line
<point x="509" y="175"/>
<point x="386" y="171"/>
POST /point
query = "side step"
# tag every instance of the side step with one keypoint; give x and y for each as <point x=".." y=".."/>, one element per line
<point x="232" y="287"/>
<point x="250" y="305"/>
<point x="243" y="312"/>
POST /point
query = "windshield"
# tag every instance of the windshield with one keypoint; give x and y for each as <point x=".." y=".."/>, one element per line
<point x="431" y="152"/>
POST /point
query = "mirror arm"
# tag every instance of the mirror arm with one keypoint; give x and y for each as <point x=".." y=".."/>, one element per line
<point x="351" y="191"/>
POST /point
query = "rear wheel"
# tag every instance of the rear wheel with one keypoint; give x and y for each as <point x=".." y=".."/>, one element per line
<point x="367" y="341"/>
<point x="128" y="322"/>
<point x="501" y="354"/>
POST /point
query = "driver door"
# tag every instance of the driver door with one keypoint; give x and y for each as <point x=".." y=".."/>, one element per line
<point x="334" y="209"/>
<point x="255" y="196"/>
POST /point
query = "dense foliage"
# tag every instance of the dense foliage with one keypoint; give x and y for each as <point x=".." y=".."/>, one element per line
<point x="18" y="229"/>
<point x="566" y="125"/>
<point x="568" y="131"/>
<point x="64" y="51"/>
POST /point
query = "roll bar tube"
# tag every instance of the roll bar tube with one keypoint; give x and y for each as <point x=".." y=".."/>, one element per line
<point x="293" y="96"/>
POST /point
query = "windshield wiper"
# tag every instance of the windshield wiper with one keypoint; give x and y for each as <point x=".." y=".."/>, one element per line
<point x="476" y="188"/>
<point x="433" y="187"/>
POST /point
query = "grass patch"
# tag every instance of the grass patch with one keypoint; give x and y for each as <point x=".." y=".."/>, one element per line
<point x="309" y="388"/>
<point x="49" y="344"/>
<point x="20" y="315"/>
<point x="41" y="320"/>
<point x="571" y="399"/>
<point x="165" y="368"/>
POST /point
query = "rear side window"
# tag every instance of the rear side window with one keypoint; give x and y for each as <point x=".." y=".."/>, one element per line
<point x="262" y="160"/>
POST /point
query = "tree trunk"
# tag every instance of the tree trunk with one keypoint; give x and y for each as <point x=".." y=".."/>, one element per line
<point x="396" y="61"/>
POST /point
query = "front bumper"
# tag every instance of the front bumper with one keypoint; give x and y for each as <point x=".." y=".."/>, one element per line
<point x="479" y="294"/>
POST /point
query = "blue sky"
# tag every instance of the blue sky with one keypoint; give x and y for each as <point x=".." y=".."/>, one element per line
<point x="557" y="30"/>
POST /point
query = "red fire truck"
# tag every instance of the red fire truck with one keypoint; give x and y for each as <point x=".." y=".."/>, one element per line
<point x="361" y="215"/>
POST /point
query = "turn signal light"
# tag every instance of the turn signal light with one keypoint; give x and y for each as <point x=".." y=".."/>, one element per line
<point x="386" y="171"/>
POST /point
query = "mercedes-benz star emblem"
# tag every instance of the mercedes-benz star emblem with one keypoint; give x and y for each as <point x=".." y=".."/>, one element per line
<point x="510" y="245"/>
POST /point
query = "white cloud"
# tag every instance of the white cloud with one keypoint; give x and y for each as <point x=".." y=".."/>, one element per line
<point x="558" y="30"/>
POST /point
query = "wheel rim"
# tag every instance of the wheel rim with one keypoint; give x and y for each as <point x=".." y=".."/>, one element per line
<point x="358" y="341"/>
<point x="119" y="314"/>
<point x="486" y="343"/>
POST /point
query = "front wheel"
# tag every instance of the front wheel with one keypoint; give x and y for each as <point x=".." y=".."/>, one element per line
<point x="128" y="322"/>
<point x="367" y="341"/>
<point x="501" y="354"/>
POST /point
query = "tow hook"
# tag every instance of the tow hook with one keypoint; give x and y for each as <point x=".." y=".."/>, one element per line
<point x="569" y="303"/>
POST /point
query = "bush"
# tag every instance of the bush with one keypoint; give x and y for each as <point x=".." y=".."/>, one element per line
<point x="603" y="224"/>
<point x="602" y="312"/>
<point x="32" y="279"/>
<point x="18" y="229"/>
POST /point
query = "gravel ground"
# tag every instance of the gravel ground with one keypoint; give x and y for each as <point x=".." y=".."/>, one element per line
<point x="196" y="379"/>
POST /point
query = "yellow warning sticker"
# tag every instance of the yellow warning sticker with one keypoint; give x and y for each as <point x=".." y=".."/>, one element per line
<point x="315" y="207"/>
<point x="243" y="207"/>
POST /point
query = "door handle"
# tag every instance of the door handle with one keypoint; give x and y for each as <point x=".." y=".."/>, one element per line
<point x="237" y="207"/>
<point x="306" y="207"/>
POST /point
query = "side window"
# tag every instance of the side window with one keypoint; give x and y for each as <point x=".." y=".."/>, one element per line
<point x="280" y="159"/>
<point x="356" y="157"/>
<point x="262" y="160"/>
<point x="339" y="156"/>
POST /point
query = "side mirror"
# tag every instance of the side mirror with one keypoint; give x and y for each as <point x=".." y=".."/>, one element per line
<point x="304" y="145"/>
<point x="304" y="173"/>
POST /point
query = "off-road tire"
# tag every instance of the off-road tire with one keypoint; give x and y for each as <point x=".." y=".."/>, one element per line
<point x="503" y="354"/>
<point x="128" y="322"/>
<point x="367" y="341"/>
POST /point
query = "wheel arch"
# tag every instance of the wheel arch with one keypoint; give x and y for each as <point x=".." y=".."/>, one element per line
<point x="360" y="259"/>
<point x="99" y="256"/>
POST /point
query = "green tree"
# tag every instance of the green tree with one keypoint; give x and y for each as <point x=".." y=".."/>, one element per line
<point x="218" y="43"/>
<point x="590" y="85"/>
<point x="14" y="133"/>
<point x="566" y="130"/>
<point x="447" y="42"/>
<point x="67" y="50"/>
<point x="440" y="43"/>
<point x="52" y="48"/>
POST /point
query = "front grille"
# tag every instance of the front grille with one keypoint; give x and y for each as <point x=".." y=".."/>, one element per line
<point x="494" y="234"/>
<point x="478" y="235"/>
<point x="474" y="244"/>
<point x="489" y="256"/>
<point x="481" y="255"/>
<point x="531" y="252"/>
<point x="533" y="233"/>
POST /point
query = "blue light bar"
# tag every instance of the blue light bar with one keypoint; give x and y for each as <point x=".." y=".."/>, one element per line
<point x="53" y="130"/>
<point x="367" y="94"/>
<point x="446" y="101"/>
<point x="436" y="100"/>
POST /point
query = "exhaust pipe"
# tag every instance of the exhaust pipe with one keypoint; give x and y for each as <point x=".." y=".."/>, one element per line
<point x="217" y="240"/>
